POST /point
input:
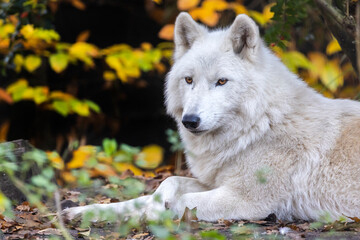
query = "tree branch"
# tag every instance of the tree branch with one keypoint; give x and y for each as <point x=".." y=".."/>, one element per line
<point x="342" y="27"/>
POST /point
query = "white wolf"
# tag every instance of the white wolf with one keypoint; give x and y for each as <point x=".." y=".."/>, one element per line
<point x="257" y="138"/>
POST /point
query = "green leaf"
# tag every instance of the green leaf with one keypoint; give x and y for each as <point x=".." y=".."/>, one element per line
<point x="40" y="181"/>
<point x="110" y="146"/>
<point x="59" y="62"/>
<point x="80" y="108"/>
<point x="132" y="187"/>
<point x="61" y="107"/>
<point x="93" y="106"/>
<point x="294" y="60"/>
<point x="212" y="235"/>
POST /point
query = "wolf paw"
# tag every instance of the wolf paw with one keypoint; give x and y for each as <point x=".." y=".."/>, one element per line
<point x="71" y="214"/>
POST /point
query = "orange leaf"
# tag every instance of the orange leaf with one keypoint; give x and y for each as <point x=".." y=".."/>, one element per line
<point x="102" y="170"/>
<point x="187" y="4"/>
<point x="167" y="32"/>
<point x="78" y="4"/>
<point x="83" y="36"/>
<point x="4" y="129"/>
<point x="5" y="96"/>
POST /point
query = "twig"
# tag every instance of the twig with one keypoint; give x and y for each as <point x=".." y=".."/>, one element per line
<point x="20" y="185"/>
<point x="61" y="224"/>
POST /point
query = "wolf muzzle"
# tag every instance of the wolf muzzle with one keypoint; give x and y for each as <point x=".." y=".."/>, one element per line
<point x="191" y="121"/>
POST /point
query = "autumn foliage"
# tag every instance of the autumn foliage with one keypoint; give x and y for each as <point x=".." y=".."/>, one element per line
<point x="30" y="48"/>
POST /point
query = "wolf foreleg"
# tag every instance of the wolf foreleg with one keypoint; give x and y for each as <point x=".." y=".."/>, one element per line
<point x="170" y="190"/>
<point x="219" y="203"/>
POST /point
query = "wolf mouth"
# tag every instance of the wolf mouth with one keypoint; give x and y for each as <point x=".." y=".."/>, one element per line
<point x="197" y="132"/>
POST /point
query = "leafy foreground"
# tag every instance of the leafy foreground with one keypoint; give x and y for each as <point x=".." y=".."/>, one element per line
<point x="29" y="223"/>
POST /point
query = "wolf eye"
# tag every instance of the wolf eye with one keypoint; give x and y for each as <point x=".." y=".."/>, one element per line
<point x="221" y="81"/>
<point x="188" y="80"/>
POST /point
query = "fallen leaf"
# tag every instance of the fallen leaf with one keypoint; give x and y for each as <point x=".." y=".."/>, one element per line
<point x="150" y="157"/>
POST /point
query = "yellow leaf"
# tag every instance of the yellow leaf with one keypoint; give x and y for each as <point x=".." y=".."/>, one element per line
<point x="157" y="1"/>
<point x="60" y="95"/>
<point x="68" y="177"/>
<point x="102" y="157"/>
<point x="81" y="108"/>
<point x="59" y="62"/>
<point x="41" y="94"/>
<point x="20" y="84"/>
<point x="333" y="47"/>
<point x="84" y="52"/>
<point x="150" y="157"/>
<point x="187" y="4"/>
<point x="258" y="17"/>
<point x="264" y="17"/>
<point x="80" y="156"/>
<point x="267" y="13"/>
<point x="132" y="71"/>
<point x="28" y="94"/>
<point x="318" y="61"/>
<point x="114" y="63"/>
<point x="122" y="167"/>
<point x="332" y="76"/>
<point x="56" y="161"/>
<point x="207" y="16"/>
<point x="146" y="46"/>
<point x="5" y="203"/>
<point x="18" y="61"/>
<point x="83" y="36"/>
<point x="115" y="49"/>
<point x="6" y="29"/>
<point x="32" y="62"/>
<point x="294" y="60"/>
<point x="109" y="76"/>
<point x="167" y="32"/>
<point x="27" y="31"/>
<point x="215" y="5"/>
<point x="149" y="174"/>
<point x="238" y="8"/>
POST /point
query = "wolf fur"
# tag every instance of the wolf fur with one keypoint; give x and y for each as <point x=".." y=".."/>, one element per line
<point x="262" y="143"/>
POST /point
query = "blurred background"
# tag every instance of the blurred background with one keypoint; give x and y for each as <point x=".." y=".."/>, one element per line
<point x="85" y="70"/>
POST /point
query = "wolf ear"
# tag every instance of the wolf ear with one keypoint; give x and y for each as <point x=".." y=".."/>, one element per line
<point x="244" y="36"/>
<point x="185" y="33"/>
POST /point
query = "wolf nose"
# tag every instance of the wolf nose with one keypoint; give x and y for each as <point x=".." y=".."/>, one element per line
<point x="191" y="121"/>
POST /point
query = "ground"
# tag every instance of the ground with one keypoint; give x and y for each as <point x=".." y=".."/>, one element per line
<point x="30" y="224"/>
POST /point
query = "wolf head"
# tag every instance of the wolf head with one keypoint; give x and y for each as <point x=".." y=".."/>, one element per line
<point x="219" y="78"/>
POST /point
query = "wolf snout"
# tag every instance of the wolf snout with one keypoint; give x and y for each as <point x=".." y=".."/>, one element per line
<point x="191" y="121"/>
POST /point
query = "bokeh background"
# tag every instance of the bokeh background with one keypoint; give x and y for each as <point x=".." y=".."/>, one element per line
<point x="76" y="72"/>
